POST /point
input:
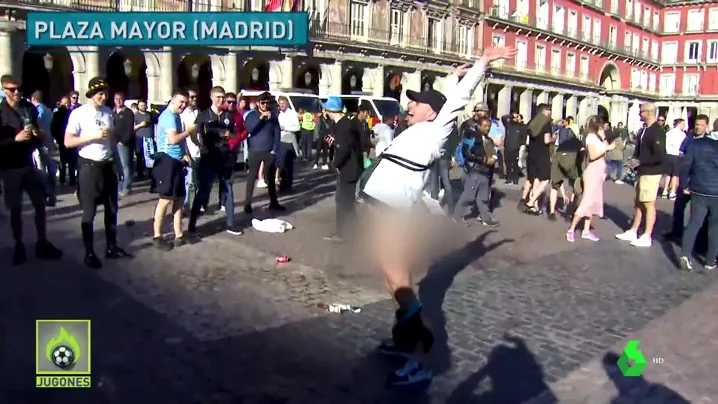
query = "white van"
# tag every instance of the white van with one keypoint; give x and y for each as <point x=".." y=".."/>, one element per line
<point x="307" y="101"/>
<point x="382" y="106"/>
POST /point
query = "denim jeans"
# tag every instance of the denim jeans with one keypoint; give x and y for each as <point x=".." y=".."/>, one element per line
<point x="125" y="152"/>
<point x="702" y="207"/>
<point x="245" y="152"/>
<point x="614" y="169"/>
<point x="439" y="178"/>
<point x="477" y="190"/>
<point x="190" y="184"/>
<point x="45" y="163"/>
<point x="207" y="172"/>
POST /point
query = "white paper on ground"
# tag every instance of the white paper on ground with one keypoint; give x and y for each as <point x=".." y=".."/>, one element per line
<point x="271" y="225"/>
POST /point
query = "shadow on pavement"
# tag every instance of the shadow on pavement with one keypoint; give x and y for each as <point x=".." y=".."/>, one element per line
<point x="513" y="374"/>
<point x="637" y="389"/>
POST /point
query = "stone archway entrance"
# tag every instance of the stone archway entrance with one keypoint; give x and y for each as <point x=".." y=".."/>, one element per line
<point x="254" y="75"/>
<point x="49" y="70"/>
<point x="195" y="72"/>
<point x="602" y="113"/>
<point x="352" y="81"/>
<point x="307" y="78"/>
<point x="394" y="85"/>
<point x="127" y="73"/>
<point x="610" y="78"/>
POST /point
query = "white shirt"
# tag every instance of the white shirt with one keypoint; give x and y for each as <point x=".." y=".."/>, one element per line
<point x="421" y="143"/>
<point x="188" y="118"/>
<point x="88" y="120"/>
<point x="674" y="139"/>
<point x="385" y="135"/>
<point x="288" y="121"/>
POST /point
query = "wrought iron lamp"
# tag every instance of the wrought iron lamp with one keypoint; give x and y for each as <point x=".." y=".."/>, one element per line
<point x="352" y="81"/>
<point x="48" y="61"/>
<point x="255" y="74"/>
<point x="308" y="78"/>
<point x="194" y="71"/>
<point x="127" y="65"/>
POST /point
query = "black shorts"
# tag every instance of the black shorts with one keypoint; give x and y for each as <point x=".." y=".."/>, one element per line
<point x="673" y="168"/>
<point x="169" y="175"/>
<point x="538" y="169"/>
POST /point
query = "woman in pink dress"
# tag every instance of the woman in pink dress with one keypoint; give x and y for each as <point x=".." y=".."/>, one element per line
<point x="593" y="178"/>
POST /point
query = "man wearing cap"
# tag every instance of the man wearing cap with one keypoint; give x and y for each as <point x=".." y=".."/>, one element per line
<point x="88" y="129"/>
<point x="348" y="160"/>
<point x="19" y="137"/>
<point x="393" y="189"/>
<point x="496" y="133"/>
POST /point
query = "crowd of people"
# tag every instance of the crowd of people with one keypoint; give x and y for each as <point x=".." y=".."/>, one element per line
<point x="389" y="169"/>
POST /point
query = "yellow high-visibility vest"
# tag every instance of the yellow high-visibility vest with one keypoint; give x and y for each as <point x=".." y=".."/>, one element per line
<point x="307" y="121"/>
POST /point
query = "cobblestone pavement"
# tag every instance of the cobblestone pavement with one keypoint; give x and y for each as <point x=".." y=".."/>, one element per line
<point x="519" y="315"/>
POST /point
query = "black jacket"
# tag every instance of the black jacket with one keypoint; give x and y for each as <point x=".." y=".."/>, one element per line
<point x="59" y="124"/>
<point x="651" y="151"/>
<point x="516" y="133"/>
<point x="476" y="156"/>
<point x="123" y="125"/>
<point x="362" y="127"/>
<point x="348" y="157"/>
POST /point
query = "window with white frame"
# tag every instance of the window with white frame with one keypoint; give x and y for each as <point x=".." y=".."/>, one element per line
<point x="669" y="52"/>
<point x="584" y="67"/>
<point x="614" y="6"/>
<point x="627" y="40"/>
<point x="572" y="23"/>
<point x="522" y="54"/>
<point x="647" y="16"/>
<point x="636" y="43"/>
<point x="464" y="38"/>
<point x="586" y="28"/>
<point x="652" y="82"/>
<point x="596" y="31"/>
<point x="690" y="84"/>
<point x="712" y="51"/>
<point x="434" y="34"/>
<point x="695" y="19"/>
<point x="635" y="78"/>
<point x="693" y="52"/>
<point x="644" y="80"/>
<point x="637" y="11"/>
<point x="713" y="19"/>
<point x="359" y="19"/>
<point x="654" y="50"/>
<point x="629" y="8"/>
<point x="499" y="41"/>
<point x="656" y="20"/>
<point x="543" y="14"/>
<point x="570" y="65"/>
<point x="397" y="27"/>
<point x="645" y="47"/>
<point x="315" y="9"/>
<point x="672" y="22"/>
<point x="257" y="5"/>
<point x="540" y="57"/>
<point x="559" y="19"/>
<point x="556" y="61"/>
<point x="668" y="84"/>
<point x="613" y="36"/>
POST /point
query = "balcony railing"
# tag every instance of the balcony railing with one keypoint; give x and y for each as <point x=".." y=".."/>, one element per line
<point x="552" y="72"/>
<point x="130" y="5"/>
<point x="343" y="33"/>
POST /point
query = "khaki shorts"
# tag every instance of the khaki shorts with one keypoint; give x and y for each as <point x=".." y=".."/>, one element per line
<point x="19" y="180"/>
<point x="647" y="187"/>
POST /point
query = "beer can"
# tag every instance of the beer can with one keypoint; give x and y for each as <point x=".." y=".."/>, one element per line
<point x="283" y="258"/>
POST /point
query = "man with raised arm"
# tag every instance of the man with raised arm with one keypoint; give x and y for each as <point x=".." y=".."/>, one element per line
<point x="393" y="188"/>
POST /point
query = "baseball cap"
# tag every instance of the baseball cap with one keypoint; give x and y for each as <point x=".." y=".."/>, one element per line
<point x="482" y="106"/>
<point x="433" y="98"/>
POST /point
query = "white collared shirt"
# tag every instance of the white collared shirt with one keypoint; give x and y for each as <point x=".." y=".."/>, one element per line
<point x="188" y="118"/>
<point x="88" y="119"/>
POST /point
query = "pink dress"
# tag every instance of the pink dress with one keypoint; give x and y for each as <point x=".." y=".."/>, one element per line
<point x="593" y="178"/>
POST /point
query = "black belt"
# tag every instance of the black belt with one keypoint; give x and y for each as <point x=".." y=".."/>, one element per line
<point x="89" y="162"/>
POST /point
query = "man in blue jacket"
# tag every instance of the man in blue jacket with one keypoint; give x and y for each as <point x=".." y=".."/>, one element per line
<point x="263" y="138"/>
<point x="699" y="179"/>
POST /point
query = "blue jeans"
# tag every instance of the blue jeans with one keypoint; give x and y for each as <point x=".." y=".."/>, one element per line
<point x="285" y="163"/>
<point x="50" y="166"/>
<point x="190" y="184"/>
<point x="439" y="178"/>
<point x="614" y="169"/>
<point x="702" y="207"/>
<point x="207" y="172"/>
<point x="125" y="152"/>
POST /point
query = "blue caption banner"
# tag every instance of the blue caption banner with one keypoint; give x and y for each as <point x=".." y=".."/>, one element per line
<point x="153" y="29"/>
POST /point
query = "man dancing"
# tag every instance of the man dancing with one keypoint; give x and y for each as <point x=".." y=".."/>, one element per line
<point x="88" y="130"/>
<point x="394" y="187"/>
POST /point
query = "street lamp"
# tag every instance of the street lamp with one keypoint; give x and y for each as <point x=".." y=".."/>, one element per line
<point x="255" y="74"/>
<point x="47" y="60"/>
<point x="352" y="81"/>
<point x="308" y="78"/>
<point x="127" y="65"/>
<point x="194" y="71"/>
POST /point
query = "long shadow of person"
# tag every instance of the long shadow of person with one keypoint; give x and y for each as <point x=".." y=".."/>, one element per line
<point x="513" y="374"/>
<point x="434" y="286"/>
<point x="637" y="389"/>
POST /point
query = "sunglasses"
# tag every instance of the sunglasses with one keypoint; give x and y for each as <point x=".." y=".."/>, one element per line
<point x="262" y="102"/>
<point x="11" y="89"/>
<point x="231" y="102"/>
<point x="192" y="97"/>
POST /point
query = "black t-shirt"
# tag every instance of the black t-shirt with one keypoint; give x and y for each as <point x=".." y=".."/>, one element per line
<point x="538" y="149"/>
<point x="13" y="120"/>
<point x="211" y="128"/>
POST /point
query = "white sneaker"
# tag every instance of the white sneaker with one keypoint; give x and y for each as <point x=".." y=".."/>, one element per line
<point x="441" y="194"/>
<point x="643" y="241"/>
<point x="619" y="182"/>
<point x="325" y="167"/>
<point x="261" y="184"/>
<point x="315" y="167"/>
<point x="222" y="209"/>
<point x="627" y="236"/>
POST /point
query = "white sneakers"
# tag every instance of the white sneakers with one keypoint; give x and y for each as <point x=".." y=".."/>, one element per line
<point x="261" y="184"/>
<point x="643" y="241"/>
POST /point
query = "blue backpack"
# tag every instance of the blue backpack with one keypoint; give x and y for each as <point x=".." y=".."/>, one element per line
<point x="459" y="154"/>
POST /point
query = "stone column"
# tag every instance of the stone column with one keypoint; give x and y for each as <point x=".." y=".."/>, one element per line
<point x="412" y="81"/>
<point x="275" y="75"/>
<point x="557" y="107"/>
<point x="325" y="80"/>
<point x="525" y="100"/>
<point x="231" y="82"/>
<point x="167" y="74"/>
<point x="92" y="69"/>
<point x="367" y="80"/>
<point x="571" y="106"/>
<point x="379" y="75"/>
<point x="6" y="53"/>
<point x="337" y="72"/>
<point x="153" y="81"/>
<point x="503" y="105"/>
<point x="542" y="98"/>
<point x="287" y="73"/>
<point x="583" y="109"/>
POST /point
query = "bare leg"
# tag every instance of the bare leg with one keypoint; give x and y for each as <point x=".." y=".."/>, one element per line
<point x="177" y="218"/>
<point x="650" y="212"/>
<point x="160" y="212"/>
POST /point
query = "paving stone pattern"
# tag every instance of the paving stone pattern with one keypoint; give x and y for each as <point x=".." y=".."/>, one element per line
<point x="222" y="322"/>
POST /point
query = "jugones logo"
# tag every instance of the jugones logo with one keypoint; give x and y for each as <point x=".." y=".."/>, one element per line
<point x="62" y="353"/>
<point x="631" y="353"/>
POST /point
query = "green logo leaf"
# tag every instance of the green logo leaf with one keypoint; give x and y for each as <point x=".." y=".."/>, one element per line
<point x="631" y="353"/>
<point x="63" y="338"/>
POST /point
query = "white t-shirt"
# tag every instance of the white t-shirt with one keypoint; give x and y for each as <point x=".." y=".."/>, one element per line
<point x="384" y="135"/>
<point x="674" y="139"/>
<point x="421" y="144"/>
<point x="593" y="139"/>
<point x="188" y="118"/>
<point x="87" y="120"/>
